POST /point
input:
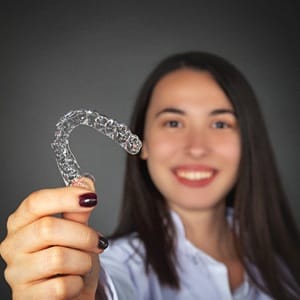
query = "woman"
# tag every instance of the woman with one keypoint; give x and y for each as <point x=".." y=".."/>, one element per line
<point x="266" y="236"/>
<point x="204" y="215"/>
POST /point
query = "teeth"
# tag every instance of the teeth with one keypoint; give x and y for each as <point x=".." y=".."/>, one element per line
<point x="193" y="175"/>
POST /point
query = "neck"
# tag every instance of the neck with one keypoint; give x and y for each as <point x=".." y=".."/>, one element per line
<point x="209" y="231"/>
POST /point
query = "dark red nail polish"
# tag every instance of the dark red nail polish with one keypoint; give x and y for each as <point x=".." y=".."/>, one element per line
<point x="102" y="242"/>
<point x="88" y="200"/>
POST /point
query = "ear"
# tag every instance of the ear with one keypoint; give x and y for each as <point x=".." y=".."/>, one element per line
<point x="144" y="151"/>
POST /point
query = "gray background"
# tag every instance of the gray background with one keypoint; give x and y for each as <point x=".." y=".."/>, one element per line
<point x="59" y="55"/>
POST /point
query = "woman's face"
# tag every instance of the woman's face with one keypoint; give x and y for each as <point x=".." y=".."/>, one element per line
<point x="191" y="140"/>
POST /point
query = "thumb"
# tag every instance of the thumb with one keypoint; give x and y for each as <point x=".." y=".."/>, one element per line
<point x="87" y="182"/>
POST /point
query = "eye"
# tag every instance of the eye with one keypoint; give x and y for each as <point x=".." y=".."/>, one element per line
<point x="173" y="124"/>
<point x="220" y="125"/>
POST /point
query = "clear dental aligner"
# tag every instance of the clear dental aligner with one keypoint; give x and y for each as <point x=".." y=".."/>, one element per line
<point x="66" y="161"/>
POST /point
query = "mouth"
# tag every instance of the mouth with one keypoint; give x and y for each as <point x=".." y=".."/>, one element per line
<point x="192" y="175"/>
<point x="196" y="176"/>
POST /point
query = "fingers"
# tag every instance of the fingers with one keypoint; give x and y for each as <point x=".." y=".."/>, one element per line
<point x="40" y="246"/>
<point x="48" y="263"/>
<point x="52" y="201"/>
<point x="51" y="231"/>
<point x="57" y="288"/>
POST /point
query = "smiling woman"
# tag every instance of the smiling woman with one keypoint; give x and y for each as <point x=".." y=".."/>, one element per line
<point x="196" y="220"/>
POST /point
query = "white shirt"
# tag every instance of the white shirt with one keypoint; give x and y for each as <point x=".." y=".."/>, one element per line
<point x="201" y="276"/>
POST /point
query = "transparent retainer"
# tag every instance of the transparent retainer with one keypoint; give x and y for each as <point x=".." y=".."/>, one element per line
<point x="66" y="161"/>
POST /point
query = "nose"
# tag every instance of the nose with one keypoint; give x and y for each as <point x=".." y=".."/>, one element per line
<point x="197" y="143"/>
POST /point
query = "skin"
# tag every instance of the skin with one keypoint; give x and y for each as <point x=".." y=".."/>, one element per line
<point x="47" y="246"/>
<point x="192" y="148"/>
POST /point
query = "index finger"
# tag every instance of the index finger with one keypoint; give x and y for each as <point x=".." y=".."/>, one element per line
<point x="49" y="202"/>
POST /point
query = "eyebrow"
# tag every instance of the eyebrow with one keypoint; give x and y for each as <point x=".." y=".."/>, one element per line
<point x="214" y="112"/>
<point x="170" y="110"/>
<point x="223" y="111"/>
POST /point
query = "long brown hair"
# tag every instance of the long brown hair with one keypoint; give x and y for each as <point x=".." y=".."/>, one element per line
<point x="268" y="237"/>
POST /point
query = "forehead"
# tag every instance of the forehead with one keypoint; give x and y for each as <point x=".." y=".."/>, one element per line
<point x="189" y="87"/>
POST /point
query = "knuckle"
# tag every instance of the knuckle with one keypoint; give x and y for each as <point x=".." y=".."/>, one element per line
<point x="45" y="228"/>
<point x="89" y="238"/>
<point x="59" y="288"/>
<point x="30" y="203"/>
<point x="11" y="277"/>
<point x="10" y="222"/>
<point x="5" y="251"/>
<point x="56" y="260"/>
<point x="66" y="287"/>
<point x="88" y="263"/>
<point x="8" y="275"/>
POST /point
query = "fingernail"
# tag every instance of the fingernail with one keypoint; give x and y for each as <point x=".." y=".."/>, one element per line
<point x="90" y="176"/>
<point x="88" y="200"/>
<point x="102" y="242"/>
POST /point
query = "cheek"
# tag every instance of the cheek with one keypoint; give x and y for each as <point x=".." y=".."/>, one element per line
<point x="227" y="147"/>
<point x="160" y="147"/>
<point x="231" y="151"/>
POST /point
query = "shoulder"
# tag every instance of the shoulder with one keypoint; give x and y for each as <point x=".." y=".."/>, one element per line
<point x="124" y="265"/>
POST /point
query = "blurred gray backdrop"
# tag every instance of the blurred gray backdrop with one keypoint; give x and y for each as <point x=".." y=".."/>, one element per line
<point x="61" y="55"/>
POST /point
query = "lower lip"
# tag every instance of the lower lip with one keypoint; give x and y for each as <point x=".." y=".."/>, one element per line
<point x="196" y="183"/>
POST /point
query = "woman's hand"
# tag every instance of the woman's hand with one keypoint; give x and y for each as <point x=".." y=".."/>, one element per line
<point x="49" y="257"/>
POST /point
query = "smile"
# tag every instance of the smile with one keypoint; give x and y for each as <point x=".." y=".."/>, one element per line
<point x="195" y="176"/>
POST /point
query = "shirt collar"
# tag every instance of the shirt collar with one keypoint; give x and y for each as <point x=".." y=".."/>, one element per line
<point x="196" y="254"/>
